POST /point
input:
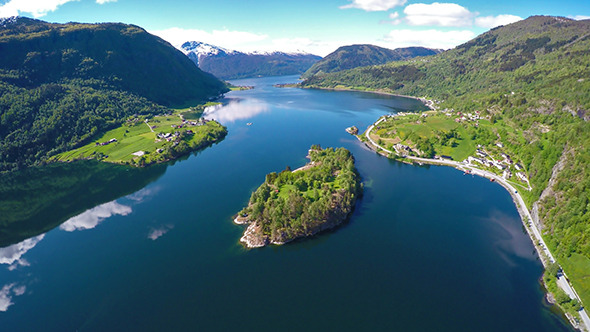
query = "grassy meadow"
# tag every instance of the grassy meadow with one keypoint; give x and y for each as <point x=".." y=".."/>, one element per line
<point x="137" y="141"/>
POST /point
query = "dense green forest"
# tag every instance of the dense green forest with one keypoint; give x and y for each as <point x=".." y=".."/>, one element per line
<point x="289" y="205"/>
<point x="62" y="84"/>
<point x="534" y="76"/>
<point x="352" y="56"/>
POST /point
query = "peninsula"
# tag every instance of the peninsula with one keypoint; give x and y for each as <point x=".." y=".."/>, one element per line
<point x="145" y="140"/>
<point x="304" y="202"/>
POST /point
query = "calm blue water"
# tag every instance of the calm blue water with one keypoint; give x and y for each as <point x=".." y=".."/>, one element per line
<point x="426" y="249"/>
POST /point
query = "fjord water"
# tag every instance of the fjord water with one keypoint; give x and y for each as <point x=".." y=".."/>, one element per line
<point x="426" y="248"/>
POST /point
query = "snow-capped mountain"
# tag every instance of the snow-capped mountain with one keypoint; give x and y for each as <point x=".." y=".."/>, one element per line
<point x="229" y="64"/>
<point x="197" y="50"/>
<point x="4" y="21"/>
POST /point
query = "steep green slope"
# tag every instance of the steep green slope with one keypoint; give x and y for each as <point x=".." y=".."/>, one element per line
<point x="535" y="76"/>
<point x="124" y="56"/>
<point x="61" y="84"/>
<point x="352" y="56"/>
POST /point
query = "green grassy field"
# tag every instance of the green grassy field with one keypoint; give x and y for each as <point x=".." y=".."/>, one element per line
<point x="406" y="130"/>
<point x="139" y="136"/>
<point x="458" y="136"/>
<point x="577" y="267"/>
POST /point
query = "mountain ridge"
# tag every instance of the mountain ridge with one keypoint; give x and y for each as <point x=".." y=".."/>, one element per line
<point x="231" y="64"/>
<point x="360" y="55"/>
<point x="119" y="54"/>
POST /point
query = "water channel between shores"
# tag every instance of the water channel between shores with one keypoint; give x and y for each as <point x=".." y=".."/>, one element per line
<point x="426" y="248"/>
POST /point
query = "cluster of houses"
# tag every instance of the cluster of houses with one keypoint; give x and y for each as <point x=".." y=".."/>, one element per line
<point x="112" y="140"/>
<point x="168" y="136"/>
<point x="501" y="164"/>
<point x="466" y="116"/>
<point x="199" y="122"/>
<point x="401" y="149"/>
<point x="172" y="136"/>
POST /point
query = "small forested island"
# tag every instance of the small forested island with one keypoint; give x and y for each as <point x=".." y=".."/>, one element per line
<point x="286" y="85"/>
<point x="301" y="203"/>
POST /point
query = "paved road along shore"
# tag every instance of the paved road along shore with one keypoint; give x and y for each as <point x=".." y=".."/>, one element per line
<point x="532" y="230"/>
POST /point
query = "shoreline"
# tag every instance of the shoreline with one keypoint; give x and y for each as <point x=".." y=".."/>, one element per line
<point x="525" y="216"/>
<point x="427" y="102"/>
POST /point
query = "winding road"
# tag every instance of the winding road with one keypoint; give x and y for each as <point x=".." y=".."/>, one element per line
<point x="527" y="220"/>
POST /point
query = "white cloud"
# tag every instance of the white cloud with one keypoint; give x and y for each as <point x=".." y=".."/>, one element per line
<point x="427" y="38"/>
<point x="37" y="8"/>
<point x="494" y="21"/>
<point x="299" y="45"/>
<point x="13" y="254"/>
<point x="580" y="17"/>
<point x="102" y="2"/>
<point x="374" y="5"/>
<point x="155" y="233"/>
<point x="244" y="41"/>
<point x="6" y="294"/>
<point x="394" y="17"/>
<point x="223" y="38"/>
<point x="91" y="218"/>
<point x="438" y="14"/>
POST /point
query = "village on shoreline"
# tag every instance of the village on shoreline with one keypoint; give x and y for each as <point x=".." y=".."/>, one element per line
<point x="532" y="226"/>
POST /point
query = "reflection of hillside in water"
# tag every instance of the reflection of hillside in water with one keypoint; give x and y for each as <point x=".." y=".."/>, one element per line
<point x="36" y="200"/>
<point x="236" y="110"/>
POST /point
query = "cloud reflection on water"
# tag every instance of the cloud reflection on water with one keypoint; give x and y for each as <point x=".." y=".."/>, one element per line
<point x="510" y="244"/>
<point x="91" y="218"/>
<point x="7" y="292"/>
<point x="141" y="195"/>
<point x="236" y="110"/>
<point x="12" y="255"/>
<point x="156" y="233"/>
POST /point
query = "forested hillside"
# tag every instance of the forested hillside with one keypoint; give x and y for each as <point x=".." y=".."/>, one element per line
<point x="535" y="76"/>
<point x="353" y="56"/>
<point x="61" y="84"/>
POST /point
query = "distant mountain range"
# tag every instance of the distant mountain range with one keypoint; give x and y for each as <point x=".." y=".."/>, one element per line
<point x="353" y="56"/>
<point x="228" y="64"/>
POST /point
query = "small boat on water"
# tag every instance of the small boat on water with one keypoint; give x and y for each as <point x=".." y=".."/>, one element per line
<point x="249" y="124"/>
<point x="492" y="180"/>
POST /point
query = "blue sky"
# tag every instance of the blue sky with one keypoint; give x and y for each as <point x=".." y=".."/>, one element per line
<point x="314" y="26"/>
